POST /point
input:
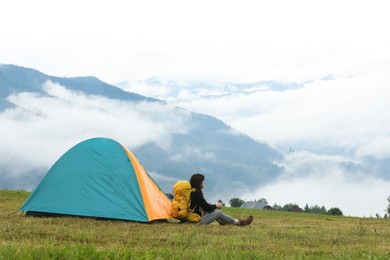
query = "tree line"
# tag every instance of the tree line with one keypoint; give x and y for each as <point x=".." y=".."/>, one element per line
<point x="292" y="207"/>
<point x="237" y="202"/>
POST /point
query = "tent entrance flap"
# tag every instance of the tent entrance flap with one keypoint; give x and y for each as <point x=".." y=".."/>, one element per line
<point x="157" y="205"/>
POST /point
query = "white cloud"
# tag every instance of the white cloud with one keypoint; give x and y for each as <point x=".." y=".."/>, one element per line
<point x="342" y="113"/>
<point x="346" y="116"/>
<point x="41" y="128"/>
<point x="220" y="40"/>
<point x="148" y="90"/>
<point x="195" y="153"/>
<point x="346" y="113"/>
<point x="321" y="180"/>
<point x="378" y="147"/>
<point x="159" y="178"/>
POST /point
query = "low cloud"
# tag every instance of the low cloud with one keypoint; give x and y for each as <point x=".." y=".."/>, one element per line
<point x="41" y="128"/>
<point x="326" y="181"/>
<point x="191" y="153"/>
<point x="347" y="113"/>
<point x="342" y="121"/>
<point x="344" y="113"/>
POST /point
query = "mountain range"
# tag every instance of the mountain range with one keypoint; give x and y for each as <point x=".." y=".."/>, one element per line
<point x="231" y="161"/>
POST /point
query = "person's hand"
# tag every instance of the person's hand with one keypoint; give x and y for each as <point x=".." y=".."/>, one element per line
<point x="219" y="205"/>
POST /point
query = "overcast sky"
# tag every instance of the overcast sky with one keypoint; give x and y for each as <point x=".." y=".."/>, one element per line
<point x="218" y="42"/>
<point x="240" y="41"/>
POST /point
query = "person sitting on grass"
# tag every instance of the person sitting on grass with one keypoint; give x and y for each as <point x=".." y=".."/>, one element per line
<point x="211" y="212"/>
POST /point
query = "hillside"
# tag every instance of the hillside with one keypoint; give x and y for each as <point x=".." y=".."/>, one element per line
<point x="172" y="143"/>
<point x="14" y="79"/>
<point x="272" y="235"/>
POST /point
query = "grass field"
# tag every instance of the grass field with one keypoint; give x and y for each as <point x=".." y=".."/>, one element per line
<point x="272" y="235"/>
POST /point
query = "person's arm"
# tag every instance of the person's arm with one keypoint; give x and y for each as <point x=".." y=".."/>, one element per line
<point x="202" y="203"/>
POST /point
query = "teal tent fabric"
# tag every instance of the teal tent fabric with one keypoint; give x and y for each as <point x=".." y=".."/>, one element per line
<point x="95" y="178"/>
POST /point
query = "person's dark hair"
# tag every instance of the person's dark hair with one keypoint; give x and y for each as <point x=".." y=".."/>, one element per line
<point x="196" y="181"/>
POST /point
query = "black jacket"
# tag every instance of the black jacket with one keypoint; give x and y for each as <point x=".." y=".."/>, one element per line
<point x="198" y="202"/>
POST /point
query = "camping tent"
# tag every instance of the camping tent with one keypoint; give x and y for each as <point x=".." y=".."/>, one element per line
<point x="99" y="178"/>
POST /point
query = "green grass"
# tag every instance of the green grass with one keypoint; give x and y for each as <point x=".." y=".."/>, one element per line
<point x="272" y="235"/>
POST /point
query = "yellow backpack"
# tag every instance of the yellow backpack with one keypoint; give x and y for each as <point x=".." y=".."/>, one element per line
<point x="181" y="202"/>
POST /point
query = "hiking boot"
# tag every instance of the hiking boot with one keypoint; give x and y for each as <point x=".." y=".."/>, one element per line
<point x="245" y="222"/>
